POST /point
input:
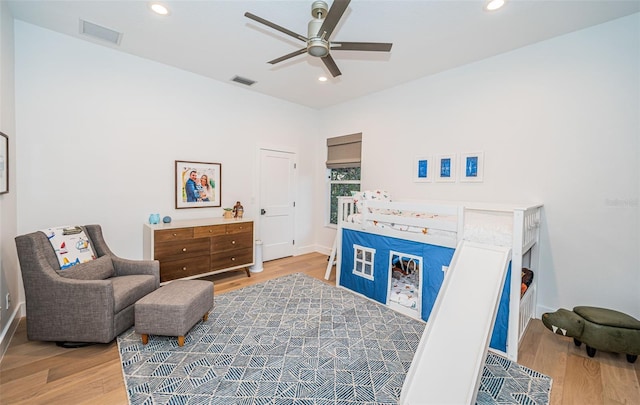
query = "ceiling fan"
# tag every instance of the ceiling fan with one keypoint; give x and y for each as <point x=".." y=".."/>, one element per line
<point x="320" y="29"/>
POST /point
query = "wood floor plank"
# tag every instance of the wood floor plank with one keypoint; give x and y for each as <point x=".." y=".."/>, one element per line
<point x="37" y="373"/>
<point x="529" y="344"/>
<point x="583" y="381"/>
<point x="24" y="388"/>
<point x="551" y="359"/>
<point x="619" y="379"/>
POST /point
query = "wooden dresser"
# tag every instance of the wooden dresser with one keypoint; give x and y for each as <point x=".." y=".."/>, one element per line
<point x="197" y="247"/>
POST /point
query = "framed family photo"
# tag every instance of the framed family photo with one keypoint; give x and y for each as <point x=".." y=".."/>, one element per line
<point x="4" y="163"/>
<point x="472" y="167"/>
<point x="198" y="184"/>
<point x="446" y="168"/>
<point x="422" y="169"/>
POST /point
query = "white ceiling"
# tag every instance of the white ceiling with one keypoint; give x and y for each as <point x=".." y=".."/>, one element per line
<point x="214" y="39"/>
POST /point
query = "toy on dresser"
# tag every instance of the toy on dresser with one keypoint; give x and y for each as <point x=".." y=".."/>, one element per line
<point x="238" y="210"/>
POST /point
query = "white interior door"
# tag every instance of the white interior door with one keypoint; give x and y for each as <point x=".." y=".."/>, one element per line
<point x="276" y="203"/>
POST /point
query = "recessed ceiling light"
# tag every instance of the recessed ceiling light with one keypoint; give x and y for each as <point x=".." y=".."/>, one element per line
<point x="322" y="78"/>
<point x="492" y="5"/>
<point x="159" y="9"/>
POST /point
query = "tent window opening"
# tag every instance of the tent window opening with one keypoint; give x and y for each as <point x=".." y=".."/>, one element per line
<point x="363" y="261"/>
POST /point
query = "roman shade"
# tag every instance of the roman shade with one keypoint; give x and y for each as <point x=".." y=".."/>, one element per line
<point x="344" y="151"/>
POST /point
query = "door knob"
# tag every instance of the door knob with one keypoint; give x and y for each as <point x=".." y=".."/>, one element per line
<point x="262" y="211"/>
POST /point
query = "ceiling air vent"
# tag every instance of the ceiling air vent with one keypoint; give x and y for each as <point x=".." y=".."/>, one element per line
<point x="243" y="80"/>
<point x="99" y="32"/>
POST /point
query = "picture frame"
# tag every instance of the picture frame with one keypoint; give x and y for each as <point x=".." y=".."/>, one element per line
<point x="446" y="168"/>
<point x="4" y="163"/>
<point x="423" y="169"/>
<point x="472" y="167"/>
<point x="191" y="181"/>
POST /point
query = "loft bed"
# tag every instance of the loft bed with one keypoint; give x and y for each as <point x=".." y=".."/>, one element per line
<point x="385" y="249"/>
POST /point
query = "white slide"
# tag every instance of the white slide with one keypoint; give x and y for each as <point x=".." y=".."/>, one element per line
<point x="448" y="363"/>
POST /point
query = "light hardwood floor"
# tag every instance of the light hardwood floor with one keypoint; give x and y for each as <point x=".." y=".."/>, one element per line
<point x="42" y="373"/>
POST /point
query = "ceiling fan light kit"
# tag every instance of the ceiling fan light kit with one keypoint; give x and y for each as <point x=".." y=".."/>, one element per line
<point x="319" y="31"/>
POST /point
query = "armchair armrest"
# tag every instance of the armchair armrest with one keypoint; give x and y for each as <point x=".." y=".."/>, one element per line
<point x="122" y="267"/>
<point x="127" y="267"/>
<point x="65" y="309"/>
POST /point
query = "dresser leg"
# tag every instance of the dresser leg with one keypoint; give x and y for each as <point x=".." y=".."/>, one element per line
<point x="248" y="272"/>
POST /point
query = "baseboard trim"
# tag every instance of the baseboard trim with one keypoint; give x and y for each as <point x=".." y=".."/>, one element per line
<point x="324" y="250"/>
<point x="541" y="309"/>
<point x="9" y="330"/>
<point x="303" y="250"/>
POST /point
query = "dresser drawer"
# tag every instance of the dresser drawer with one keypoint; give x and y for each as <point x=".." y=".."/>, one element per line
<point x="181" y="248"/>
<point x="240" y="228"/>
<point x="230" y="242"/>
<point x="174" y="269"/>
<point x="232" y="258"/>
<point x="173" y="234"/>
<point x="207" y="231"/>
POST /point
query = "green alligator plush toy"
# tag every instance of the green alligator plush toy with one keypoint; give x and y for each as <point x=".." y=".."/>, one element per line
<point x="599" y="328"/>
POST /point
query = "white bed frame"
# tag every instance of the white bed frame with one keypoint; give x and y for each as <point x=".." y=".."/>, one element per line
<point x="460" y="220"/>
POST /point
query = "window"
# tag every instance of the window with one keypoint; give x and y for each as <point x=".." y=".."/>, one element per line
<point x="343" y="165"/>
<point x="342" y="182"/>
<point x="363" y="261"/>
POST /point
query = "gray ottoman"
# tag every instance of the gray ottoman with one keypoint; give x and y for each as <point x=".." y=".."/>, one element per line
<point x="173" y="309"/>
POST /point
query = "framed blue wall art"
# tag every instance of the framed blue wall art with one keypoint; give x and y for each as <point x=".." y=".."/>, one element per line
<point x="472" y="167"/>
<point x="446" y="168"/>
<point x="422" y="169"/>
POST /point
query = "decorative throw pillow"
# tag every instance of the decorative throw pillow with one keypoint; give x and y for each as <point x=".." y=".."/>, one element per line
<point x="98" y="269"/>
<point x="70" y="244"/>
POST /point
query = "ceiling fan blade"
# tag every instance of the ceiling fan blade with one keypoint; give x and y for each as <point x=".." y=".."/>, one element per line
<point x="288" y="56"/>
<point x="275" y="26"/>
<point x="333" y="16"/>
<point x="331" y="65"/>
<point x="361" y="46"/>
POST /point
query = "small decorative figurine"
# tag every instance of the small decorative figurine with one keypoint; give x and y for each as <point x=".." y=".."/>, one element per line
<point x="228" y="213"/>
<point x="166" y="220"/>
<point x="238" y="210"/>
<point x="154" y="219"/>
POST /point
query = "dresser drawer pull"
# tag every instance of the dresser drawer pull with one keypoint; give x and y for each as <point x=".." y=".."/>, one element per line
<point x="233" y="259"/>
<point x="233" y="242"/>
<point x="184" y="249"/>
<point x="175" y="234"/>
<point x="184" y="268"/>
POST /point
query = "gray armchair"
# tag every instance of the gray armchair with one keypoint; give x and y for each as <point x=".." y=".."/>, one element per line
<point x="95" y="304"/>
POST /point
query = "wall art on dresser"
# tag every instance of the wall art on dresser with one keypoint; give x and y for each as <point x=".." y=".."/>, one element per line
<point x="4" y="163"/>
<point x="422" y="169"/>
<point x="472" y="167"/>
<point x="198" y="184"/>
<point x="446" y="168"/>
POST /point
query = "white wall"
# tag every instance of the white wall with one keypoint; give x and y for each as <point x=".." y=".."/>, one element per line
<point x="100" y="131"/>
<point x="10" y="281"/>
<point x="559" y="123"/>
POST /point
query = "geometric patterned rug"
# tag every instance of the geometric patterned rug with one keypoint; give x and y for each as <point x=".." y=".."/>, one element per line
<point x="297" y="340"/>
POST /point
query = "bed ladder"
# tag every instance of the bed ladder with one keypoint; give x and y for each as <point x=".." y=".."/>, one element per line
<point x="332" y="259"/>
<point x="448" y="363"/>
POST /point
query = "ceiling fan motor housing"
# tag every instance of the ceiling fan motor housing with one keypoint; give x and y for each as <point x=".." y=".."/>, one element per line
<point x="316" y="46"/>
